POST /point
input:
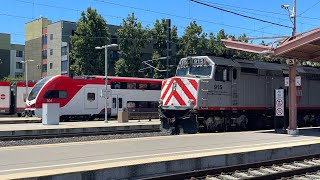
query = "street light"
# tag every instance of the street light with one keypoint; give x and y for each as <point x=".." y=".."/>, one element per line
<point x="105" y="47"/>
<point x="26" y="76"/>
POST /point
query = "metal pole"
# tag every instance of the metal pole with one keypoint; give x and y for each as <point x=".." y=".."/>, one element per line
<point x="106" y="74"/>
<point x="292" y="86"/>
<point x="26" y="62"/>
<point x="294" y="18"/>
<point x="168" y="45"/>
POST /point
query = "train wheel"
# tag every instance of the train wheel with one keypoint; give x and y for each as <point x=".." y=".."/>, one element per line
<point x="30" y="113"/>
<point x="23" y="114"/>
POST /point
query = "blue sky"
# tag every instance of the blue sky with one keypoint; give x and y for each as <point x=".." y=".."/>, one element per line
<point x="15" y="13"/>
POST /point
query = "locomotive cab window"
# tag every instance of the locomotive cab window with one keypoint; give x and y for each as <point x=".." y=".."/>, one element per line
<point x="55" y="94"/>
<point x="91" y="96"/>
<point x="221" y="74"/>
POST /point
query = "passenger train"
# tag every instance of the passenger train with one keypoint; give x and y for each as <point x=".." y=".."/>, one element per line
<point x="84" y="97"/>
<point x="217" y="94"/>
<point x="13" y="98"/>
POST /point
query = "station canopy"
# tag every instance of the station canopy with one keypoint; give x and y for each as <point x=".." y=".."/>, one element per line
<point x="304" y="46"/>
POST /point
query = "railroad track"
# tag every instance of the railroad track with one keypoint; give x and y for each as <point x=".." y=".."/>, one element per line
<point x="290" y="168"/>
<point x="45" y="136"/>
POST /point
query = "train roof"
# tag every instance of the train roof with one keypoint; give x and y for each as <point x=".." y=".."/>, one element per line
<point x="262" y="65"/>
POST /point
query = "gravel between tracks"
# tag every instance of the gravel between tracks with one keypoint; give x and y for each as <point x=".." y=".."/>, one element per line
<point x="78" y="139"/>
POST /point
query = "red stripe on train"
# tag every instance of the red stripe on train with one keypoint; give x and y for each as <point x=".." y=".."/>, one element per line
<point x="186" y="90"/>
<point x="194" y="83"/>
<point x="168" y="87"/>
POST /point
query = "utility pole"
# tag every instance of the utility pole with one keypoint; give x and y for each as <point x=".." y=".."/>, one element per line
<point x="292" y="83"/>
<point x="168" y="44"/>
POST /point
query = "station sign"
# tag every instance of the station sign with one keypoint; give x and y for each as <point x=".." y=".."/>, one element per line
<point x="279" y="102"/>
<point x="298" y="81"/>
<point x="105" y="93"/>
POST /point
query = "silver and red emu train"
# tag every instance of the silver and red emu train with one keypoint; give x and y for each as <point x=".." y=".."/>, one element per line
<point x="217" y="94"/>
<point x="13" y="98"/>
<point x="83" y="97"/>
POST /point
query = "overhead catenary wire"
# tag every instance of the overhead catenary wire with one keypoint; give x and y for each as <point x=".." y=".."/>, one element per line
<point x="107" y="15"/>
<point x="309" y="8"/>
<point x="181" y="17"/>
<point x="205" y="30"/>
<point x="235" y="13"/>
<point x="260" y="10"/>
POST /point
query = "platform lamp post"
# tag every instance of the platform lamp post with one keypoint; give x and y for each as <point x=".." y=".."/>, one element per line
<point x="26" y="76"/>
<point x="105" y="47"/>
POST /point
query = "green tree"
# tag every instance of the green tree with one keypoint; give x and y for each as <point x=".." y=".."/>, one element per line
<point x="11" y="79"/>
<point x="159" y="41"/>
<point x="92" y="31"/>
<point x="132" y="38"/>
<point x="193" y="41"/>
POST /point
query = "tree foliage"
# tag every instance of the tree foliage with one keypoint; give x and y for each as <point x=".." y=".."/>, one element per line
<point x="11" y="79"/>
<point x="132" y="38"/>
<point x="159" y="41"/>
<point x="193" y="41"/>
<point x="92" y="31"/>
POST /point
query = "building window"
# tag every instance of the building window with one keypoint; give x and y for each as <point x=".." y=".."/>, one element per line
<point x="64" y="66"/>
<point x="44" y="68"/>
<point x="44" y="39"/>
<point x="18" y="74"/>
<point x="51" y="65"/>
<point x="64" y="50"/>
<point x="19" y="53"/>
<point x="18" y="65"/>
<point x="51" y="51"/>
<point x="51" y="36"/>
<point x="114" y="39"/>
<point x="114" y="55"/>
<point x="44" y="54"/>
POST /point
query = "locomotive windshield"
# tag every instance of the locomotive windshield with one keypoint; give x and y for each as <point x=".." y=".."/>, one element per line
<point x="34" y="92"/>
<point x="194" y="67"/>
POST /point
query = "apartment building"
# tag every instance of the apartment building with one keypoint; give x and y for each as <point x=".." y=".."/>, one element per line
<point x="55" y="48"/>
<point x="58" y="46"/>
<point x="11" y="57"/>
<point x="36" y="47"/>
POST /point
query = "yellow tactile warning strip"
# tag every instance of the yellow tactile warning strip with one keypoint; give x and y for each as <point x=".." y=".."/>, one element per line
<point x="102" y="164"/>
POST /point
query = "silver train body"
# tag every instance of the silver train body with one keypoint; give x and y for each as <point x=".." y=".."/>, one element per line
<point x="217" y="94"/>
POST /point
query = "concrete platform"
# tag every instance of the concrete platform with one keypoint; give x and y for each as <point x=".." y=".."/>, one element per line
<point x="17" y="120"/>
<point x="11" y="130"/>
<point x="144" y="157"/>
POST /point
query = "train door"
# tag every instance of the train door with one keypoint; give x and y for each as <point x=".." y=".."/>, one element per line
<point x="91" y="98"/>
<point x="4" y="97"/>
<point x="234" y="88"/>
<point x="114" y="105"/>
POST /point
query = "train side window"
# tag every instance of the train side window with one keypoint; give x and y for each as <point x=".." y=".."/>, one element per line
<point x="91" y="96"/>
<point x="155" y="87"/>
<point x="142" y="86"/>
<point x="131" y="85"/>
<point x="120" y="102"/>
<point x="55" y="94"/>
<point x="234" y="73"/>
<point x="114" y="103"/>
<point x="115" y="85"/>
